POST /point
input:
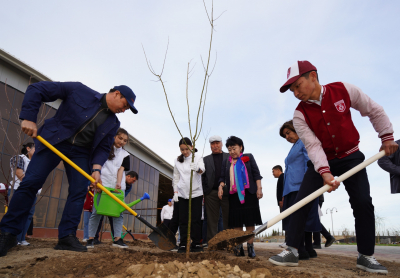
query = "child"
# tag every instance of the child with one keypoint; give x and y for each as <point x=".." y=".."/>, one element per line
<point x="112" y="176"/>
<point x="20" y="165"/>
<point x="181" y="183"/>
<point x="323" y="122"/>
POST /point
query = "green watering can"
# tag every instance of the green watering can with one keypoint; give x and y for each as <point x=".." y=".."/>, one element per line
<point x="108" y="207"/>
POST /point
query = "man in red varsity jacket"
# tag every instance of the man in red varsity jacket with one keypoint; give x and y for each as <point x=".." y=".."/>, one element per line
<point x="323" y="122"/>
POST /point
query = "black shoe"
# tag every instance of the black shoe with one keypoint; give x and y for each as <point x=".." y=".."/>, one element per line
<point x="370" y="264"/>
<point x="250" y="250"/>
<point x="119" y="243"/>
<point x="329" y="241"/>
<point x="205" y="245"/>
<point x="317" y="246"/>
<point x="196" y="248"/>
<point x="312" y="254"/>
<point x="96" y="241"/>
<point x="90" y="243"/>
<point x="286" y="258"/>
<point x="238" y="250"/>
<point x="174" y="249"/>
<point x="7" y="241"/>
<point x="71" y="243"/>
<point x="182" y="249"/>
<point x="304" y="256"/>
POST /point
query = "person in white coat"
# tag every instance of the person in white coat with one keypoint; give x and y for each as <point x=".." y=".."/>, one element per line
<point x="181" y="183"/>
<point x="166" y="213"/>
<point x="112" y="176"/>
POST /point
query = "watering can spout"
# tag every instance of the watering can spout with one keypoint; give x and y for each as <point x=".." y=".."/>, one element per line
<point x="145" y="196"/>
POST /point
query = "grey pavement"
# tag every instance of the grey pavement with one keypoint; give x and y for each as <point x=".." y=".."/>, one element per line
<point x="388" y="253"/>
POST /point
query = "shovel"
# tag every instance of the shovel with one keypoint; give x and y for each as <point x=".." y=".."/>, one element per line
<point x="164" y="240"/>
<point x="241" y="239"/>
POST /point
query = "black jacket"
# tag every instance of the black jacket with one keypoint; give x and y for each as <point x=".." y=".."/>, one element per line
<point x="391" y="164"/>
<point x="252" y="171"/>
<point x="207" y="179"/>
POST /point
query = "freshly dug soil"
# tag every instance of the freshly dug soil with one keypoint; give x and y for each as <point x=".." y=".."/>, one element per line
<point x="226" y="239"/>
<point x="143" y="260"/>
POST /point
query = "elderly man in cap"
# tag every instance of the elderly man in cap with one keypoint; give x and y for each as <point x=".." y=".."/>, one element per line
<point x="324" y="124"/>
<point x="166" y="213"/>
<point x="83" y="129"/>
<point x="213" y="165"/>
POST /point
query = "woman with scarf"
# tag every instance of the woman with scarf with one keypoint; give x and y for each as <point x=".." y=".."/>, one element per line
<point x="296" y="167"/>
<point x="241" y="175"/>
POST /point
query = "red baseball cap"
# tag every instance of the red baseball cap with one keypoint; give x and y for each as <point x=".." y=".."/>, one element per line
<point x="295" y="72"/>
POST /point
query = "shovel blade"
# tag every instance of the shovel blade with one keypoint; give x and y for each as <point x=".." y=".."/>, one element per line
<point x="232" y="242"/>
<point x="163" y="238"/>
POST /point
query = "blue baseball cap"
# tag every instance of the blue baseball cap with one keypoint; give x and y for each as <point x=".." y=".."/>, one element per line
<point x="169" y="200"/>
<point x="129" y="95"/>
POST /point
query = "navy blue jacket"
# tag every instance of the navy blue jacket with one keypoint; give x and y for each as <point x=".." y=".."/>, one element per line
<point x="79" y="104"/>
<point x="391" y="164"/>
<point x="252" y="171"/>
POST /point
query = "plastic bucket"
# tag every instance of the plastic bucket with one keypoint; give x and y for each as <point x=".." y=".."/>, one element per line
<point x="108" y="206"/>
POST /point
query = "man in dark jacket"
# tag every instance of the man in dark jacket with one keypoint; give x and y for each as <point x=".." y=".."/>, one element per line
<point x="83" y="129"/>
<point x="278" y="173"/>
<point x="212" y="203"/>
<point x="391" y="164"/>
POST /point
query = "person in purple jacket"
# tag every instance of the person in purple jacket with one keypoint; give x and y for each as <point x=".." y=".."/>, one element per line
<point x="83" y="129"/>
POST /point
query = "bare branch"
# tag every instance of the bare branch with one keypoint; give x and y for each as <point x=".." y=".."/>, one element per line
<point x="187" y="97"/>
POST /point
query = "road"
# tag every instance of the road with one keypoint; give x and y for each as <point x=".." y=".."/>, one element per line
<point x="388" y="253"/>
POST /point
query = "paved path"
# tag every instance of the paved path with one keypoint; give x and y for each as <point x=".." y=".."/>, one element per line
<point x="388" y="253"/>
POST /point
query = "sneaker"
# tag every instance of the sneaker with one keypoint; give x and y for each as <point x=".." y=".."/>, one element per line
<point x="370" y="264"/>
<point x="312" y="254"/>
<point x="317" y="246"/>
<point x="119" y="243"/>
<point x="329" y="241"/>
<point x="196" y="248"/>
<point x="205" y="245"/>
<point x="7" y="241"/>
<point x="304" y="256"/>
<point x="174" y="249"/>
<point x="84" y="240"/>
<point x="286" y="258"/>
<point x="90" y="243"/>
<point x="19" y="243"/>
<point x="97" y="241"/>
<point x="182" y="249"/>
<point x="250" y="250"/>
<point x="24" y="243"/>
<point x="71" y="243"/>
<point x="283" y="245"/>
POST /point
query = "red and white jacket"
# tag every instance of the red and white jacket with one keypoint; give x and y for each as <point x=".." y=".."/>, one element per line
<point x="326" y="128"/>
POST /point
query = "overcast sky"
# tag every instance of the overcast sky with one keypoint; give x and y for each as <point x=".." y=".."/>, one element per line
<point x="100" y="44"/>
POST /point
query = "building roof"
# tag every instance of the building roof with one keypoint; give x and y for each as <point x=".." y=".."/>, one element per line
<point x="136" y="147"/>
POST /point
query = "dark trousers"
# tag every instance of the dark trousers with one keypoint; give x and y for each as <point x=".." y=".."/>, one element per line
<point x="166" y="222"/>
<point x="220" y="225"/>
<point x="357" y="186"/>
<point x="212" y="205"/>
<point x="174" y="224"/>
<point x="324" y="232"/>
<point x="195" y="231"/>
<point x="39" y="168"/>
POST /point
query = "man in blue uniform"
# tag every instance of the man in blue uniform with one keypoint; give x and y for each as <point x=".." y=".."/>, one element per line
<point x="83" y="129"/>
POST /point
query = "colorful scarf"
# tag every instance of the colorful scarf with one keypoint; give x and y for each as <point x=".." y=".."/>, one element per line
<point x="239" y="177"/>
